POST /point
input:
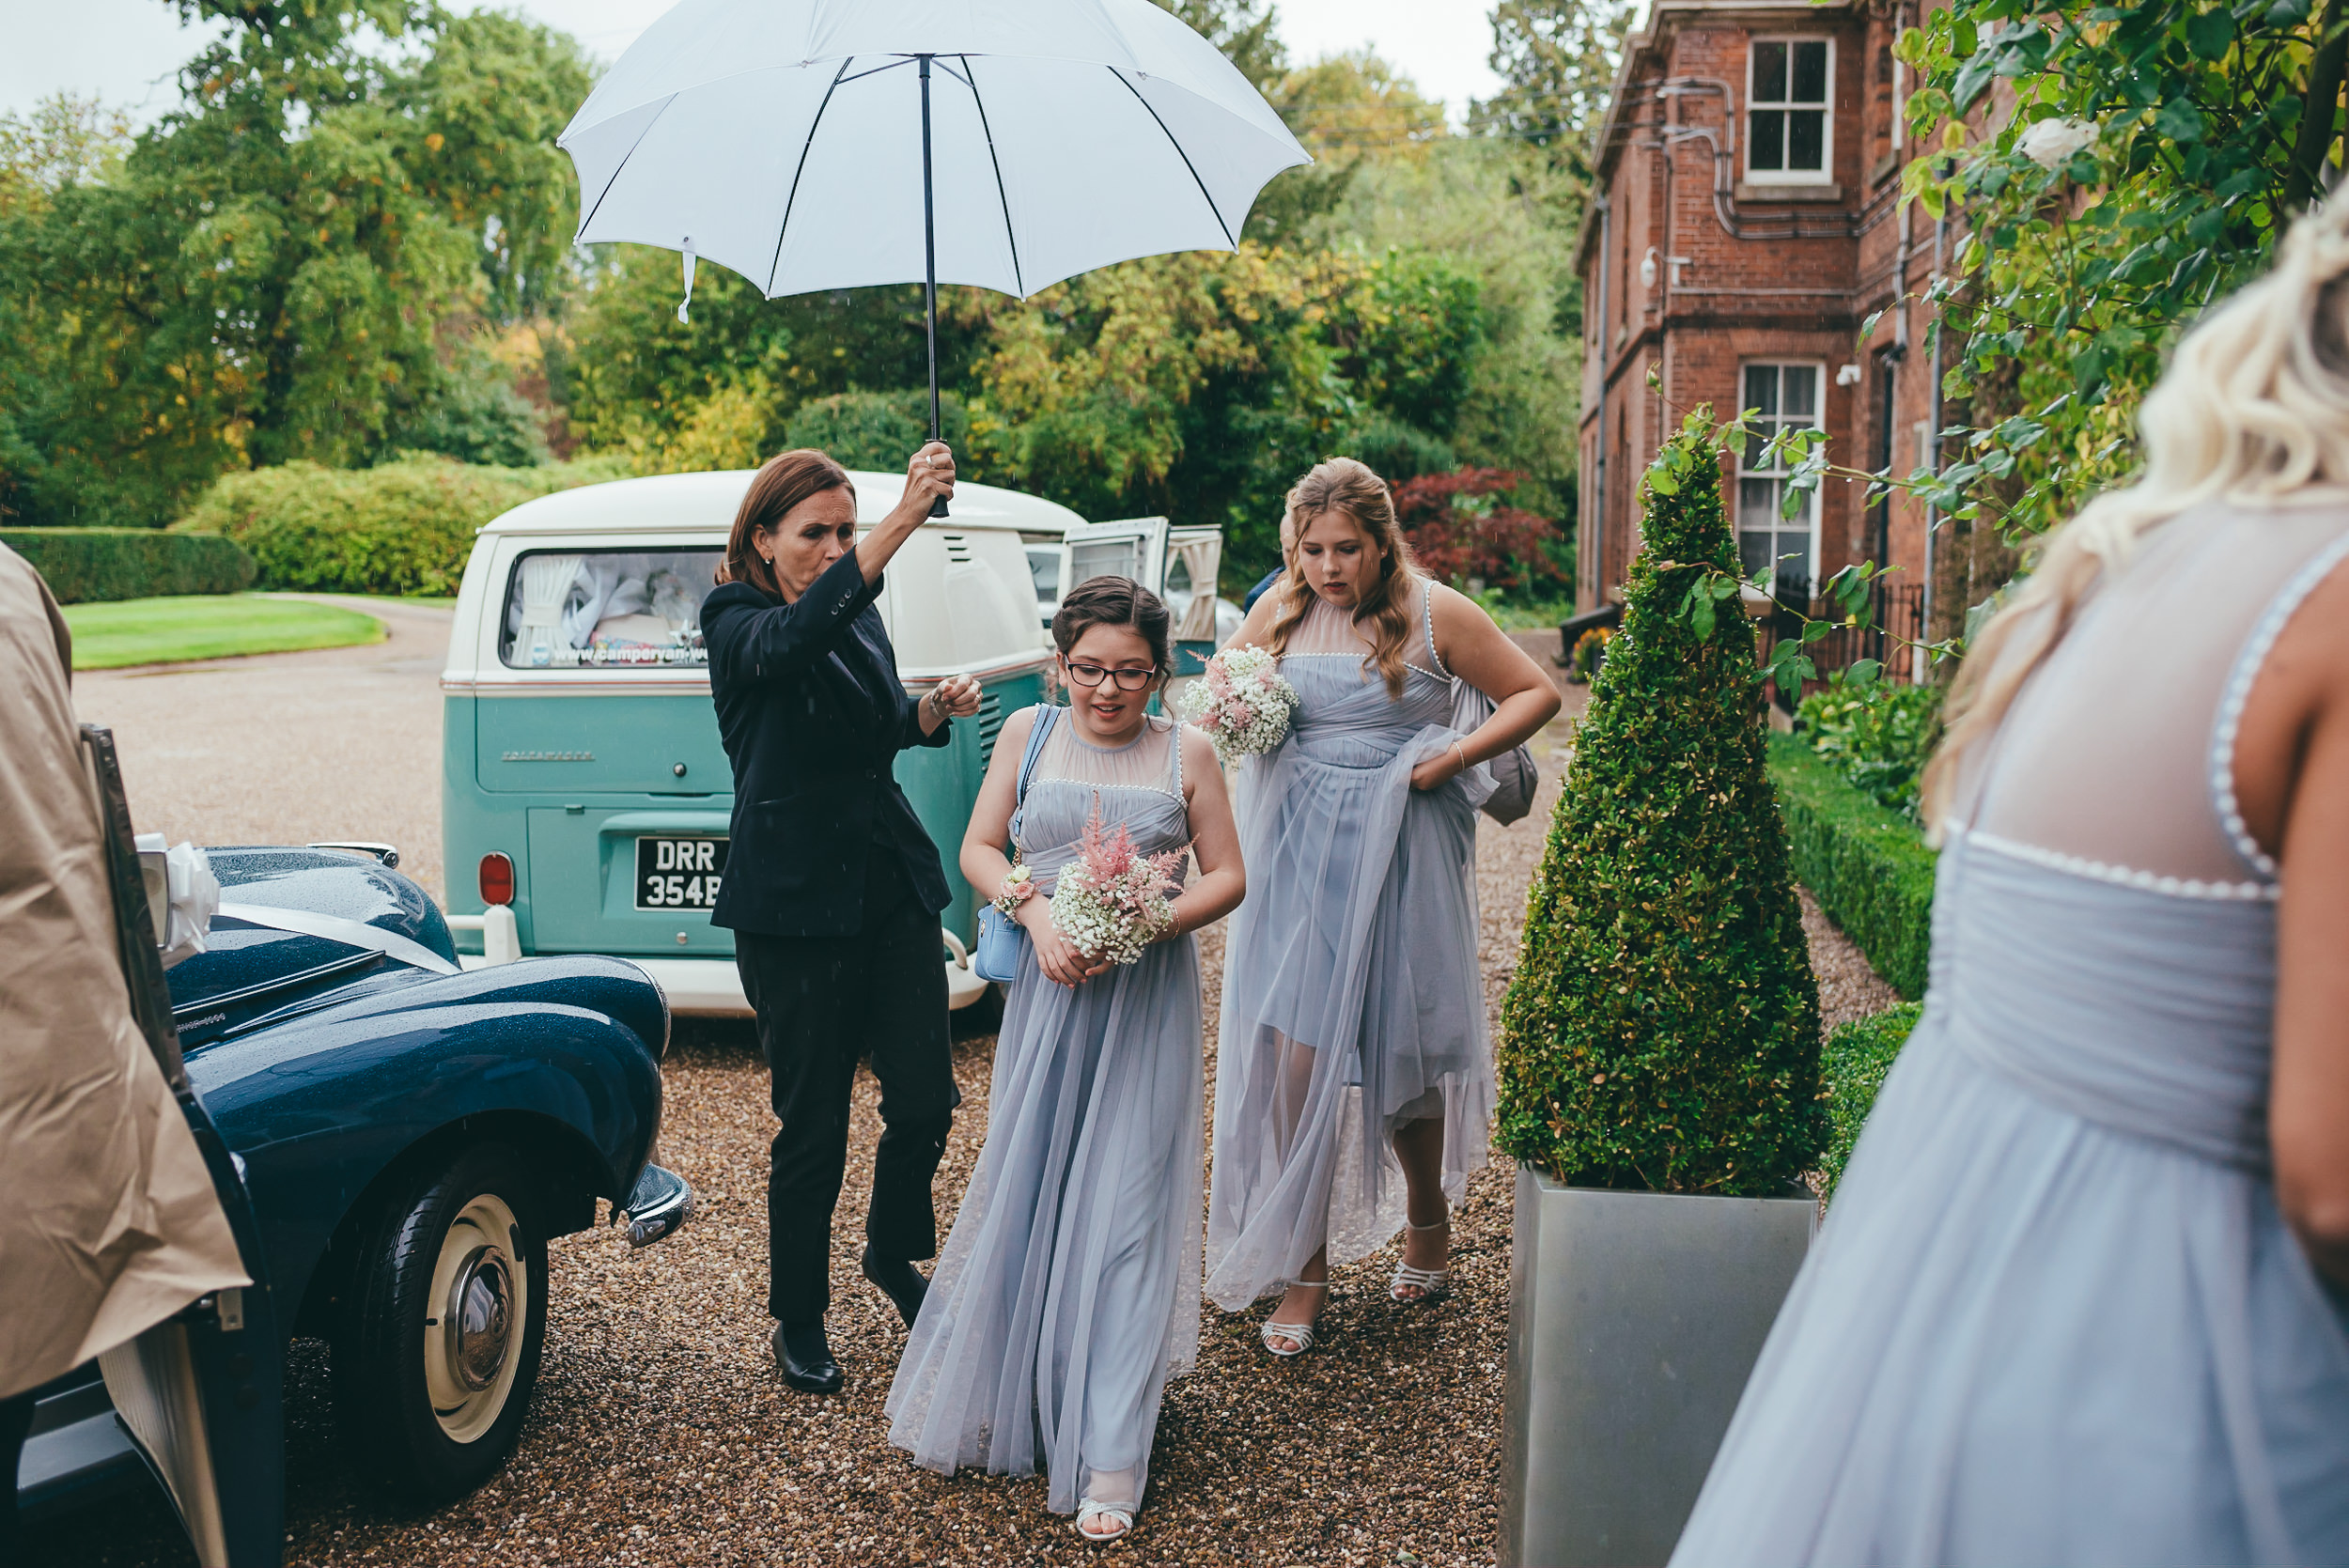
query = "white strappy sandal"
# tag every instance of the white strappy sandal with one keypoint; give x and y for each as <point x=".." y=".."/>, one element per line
<point x="1300" y="1332"/>
<point x="1433" y="1284"/>
<point x="1123" y="1518"/>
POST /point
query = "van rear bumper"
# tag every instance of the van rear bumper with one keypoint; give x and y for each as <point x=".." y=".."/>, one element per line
<point x="712" y="987"/>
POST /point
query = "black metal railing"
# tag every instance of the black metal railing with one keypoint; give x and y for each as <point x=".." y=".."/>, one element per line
<point x="1894" y="625"/>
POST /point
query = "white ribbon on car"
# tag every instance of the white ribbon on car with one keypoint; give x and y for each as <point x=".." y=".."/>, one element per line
<point x="351" y="933"/>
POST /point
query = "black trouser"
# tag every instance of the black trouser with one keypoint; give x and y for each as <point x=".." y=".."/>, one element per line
<point x="821" y="1003"/>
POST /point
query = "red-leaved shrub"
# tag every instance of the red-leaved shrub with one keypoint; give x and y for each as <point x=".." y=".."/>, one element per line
<point x="1460" y="528"/>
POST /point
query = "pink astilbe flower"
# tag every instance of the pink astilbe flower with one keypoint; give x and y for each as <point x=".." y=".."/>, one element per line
<point x="1112" y="901"/>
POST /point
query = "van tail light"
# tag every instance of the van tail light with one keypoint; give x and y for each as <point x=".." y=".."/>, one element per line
<point x="497" y="879"/>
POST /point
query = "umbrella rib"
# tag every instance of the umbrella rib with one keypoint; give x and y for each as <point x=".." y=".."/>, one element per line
<point x="839" y="81"/>
<point x="616" y="173"/>
<point x="792" y="200"/>
<point x="1179" y="154"/>
<point x="1011" y="239"/>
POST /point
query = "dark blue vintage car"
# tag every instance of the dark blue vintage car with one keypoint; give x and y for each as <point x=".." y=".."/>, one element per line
<point x="395" y="1139"/>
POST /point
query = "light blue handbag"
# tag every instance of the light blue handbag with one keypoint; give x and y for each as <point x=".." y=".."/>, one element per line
<point x="996" y="957"/>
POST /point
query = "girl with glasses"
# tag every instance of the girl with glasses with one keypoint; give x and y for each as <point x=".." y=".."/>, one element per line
<point x="1352" y="1050"/>
<point x="1068" y="1291"/>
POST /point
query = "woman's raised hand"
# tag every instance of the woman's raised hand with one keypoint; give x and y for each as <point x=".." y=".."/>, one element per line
<point x="1063" y="961"/>
<point x="929" y="474"/>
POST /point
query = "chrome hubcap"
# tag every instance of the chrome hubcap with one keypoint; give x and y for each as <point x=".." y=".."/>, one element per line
<point x="479" y="1302"/>
<point x="479" y="1318"/>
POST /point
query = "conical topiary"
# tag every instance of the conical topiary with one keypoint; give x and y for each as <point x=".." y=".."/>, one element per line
<point x="1662" y="1032"/>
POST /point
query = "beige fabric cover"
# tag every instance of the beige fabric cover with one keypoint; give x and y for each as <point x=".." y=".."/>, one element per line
<point x="108" y="1221"/>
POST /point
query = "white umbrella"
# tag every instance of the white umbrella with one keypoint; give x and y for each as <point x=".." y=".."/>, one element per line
<point x="829" y="144"/>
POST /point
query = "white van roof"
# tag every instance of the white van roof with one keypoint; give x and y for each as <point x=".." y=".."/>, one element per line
<point x="705" y="502"/>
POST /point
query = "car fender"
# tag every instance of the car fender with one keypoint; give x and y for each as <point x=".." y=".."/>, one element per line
<point x="319" y="1107"/>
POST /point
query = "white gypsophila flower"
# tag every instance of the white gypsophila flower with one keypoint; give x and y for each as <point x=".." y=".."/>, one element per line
<point x="1241" y="703"/>
<point x="1095" y="922"/>
<point x="2050" y="143"/>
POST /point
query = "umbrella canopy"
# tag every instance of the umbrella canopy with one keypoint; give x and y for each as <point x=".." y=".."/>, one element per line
<point x="786" y="140"/>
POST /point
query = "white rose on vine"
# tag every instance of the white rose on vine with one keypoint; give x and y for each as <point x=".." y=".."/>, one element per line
<point x="2050" y="143"/>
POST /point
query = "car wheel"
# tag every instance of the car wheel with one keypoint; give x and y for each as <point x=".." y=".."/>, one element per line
<point x="438" y="1345"/>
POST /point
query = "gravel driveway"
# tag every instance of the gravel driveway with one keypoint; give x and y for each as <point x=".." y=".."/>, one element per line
<point x="661" y="1433"/>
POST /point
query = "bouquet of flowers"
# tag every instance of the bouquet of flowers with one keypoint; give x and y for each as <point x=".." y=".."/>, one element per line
<point x="1113" y="900"/>
<point x="1242" y="702"/>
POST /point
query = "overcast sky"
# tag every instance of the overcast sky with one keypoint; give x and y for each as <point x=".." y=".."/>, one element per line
<point x="129" y="51"/>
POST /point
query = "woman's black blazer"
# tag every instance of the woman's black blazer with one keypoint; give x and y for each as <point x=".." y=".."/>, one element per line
<point x="813" y="717"/>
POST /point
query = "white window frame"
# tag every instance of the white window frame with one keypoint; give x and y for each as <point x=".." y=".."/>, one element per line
<point x="1824" y="173"/>
<point x="1754" y="449"/>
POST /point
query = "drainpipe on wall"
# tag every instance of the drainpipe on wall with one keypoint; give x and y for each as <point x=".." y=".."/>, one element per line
<point x="1597" y="530"/>
<point x="1932" y="430"/>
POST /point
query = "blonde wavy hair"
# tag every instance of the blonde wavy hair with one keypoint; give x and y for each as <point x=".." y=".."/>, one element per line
<point x="1343" y="485"/>
<point x="2254" y="407"/>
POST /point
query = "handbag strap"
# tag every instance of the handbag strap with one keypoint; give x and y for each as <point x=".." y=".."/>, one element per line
<point x="1045" y="715"/>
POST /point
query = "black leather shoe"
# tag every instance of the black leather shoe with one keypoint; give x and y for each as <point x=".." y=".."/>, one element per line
<point x="806" y="1359"/>
<point x="901" y="1280"/>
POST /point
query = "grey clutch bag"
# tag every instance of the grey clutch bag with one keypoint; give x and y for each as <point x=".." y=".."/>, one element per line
<point x="1514" y="776"/>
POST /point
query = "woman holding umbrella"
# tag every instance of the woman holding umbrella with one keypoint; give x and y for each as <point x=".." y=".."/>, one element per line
<point x="833" y="889"/>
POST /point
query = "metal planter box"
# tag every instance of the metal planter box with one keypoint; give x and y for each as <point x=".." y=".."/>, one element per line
<point x="1634" y="1321"/>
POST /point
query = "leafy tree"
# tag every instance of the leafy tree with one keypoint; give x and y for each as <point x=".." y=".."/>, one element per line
<point x="634" y="378"/>
<point x="65" y="141"/>
<point x="1662" y="1031"/>
<point x="1201" y="385"/>
<point x="875" y="430"/>
<point x="1498" y="213"/>
<point x="1559" y="58"/>
<point x="292" y="262"/>
<point x="1351" y="111"/>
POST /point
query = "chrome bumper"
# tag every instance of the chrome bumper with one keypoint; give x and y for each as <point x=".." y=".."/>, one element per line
<point x="659" y="1202"/>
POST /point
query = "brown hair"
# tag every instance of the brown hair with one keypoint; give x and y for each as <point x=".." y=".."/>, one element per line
<point x="1343" y="485"/>
<point x="782" y="483"/>
<point x="1118" y="601"/>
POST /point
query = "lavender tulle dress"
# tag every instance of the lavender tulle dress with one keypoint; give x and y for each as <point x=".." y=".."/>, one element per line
<point x="1068" y="1292"/>
<point x="2054" y="1316"/>
<point x="1352" y="998"/>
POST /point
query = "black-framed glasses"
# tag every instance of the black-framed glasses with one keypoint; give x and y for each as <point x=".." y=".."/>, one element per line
<point x="1093" y="675"/>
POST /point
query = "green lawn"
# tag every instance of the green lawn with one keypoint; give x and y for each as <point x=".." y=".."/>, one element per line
<point x="208" y="626"/>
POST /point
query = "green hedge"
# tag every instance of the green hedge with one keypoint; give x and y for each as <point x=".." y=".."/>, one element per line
<point x="1857" y="1056"/>
<point x="399" y="528"/>
<point x="86" y="566"/>
<point x="1867" y="865"/>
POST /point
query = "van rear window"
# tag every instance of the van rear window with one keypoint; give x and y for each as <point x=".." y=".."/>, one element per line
<point x="598" y="608"/>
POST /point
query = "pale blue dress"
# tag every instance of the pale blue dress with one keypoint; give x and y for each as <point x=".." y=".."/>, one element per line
<point x="2054" y="1316"/>
<point x="1353" y="1002"/>
<point x="1068" y="1292"/>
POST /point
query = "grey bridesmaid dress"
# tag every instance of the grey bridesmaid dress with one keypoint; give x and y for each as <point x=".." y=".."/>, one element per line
<point x="2054" y="1315"/>
<point x="1068" y="1292"/>
<point x="1353" y="1002"/>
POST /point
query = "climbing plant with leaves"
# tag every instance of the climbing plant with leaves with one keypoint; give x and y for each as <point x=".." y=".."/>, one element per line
<point x="1711" y="588"/>
<point x="2110" y="169"/>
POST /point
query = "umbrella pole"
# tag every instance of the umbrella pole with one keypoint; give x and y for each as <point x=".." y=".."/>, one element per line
<point x="929" y="264"/>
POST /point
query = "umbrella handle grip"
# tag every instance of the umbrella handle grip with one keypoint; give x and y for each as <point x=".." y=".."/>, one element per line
<point x="938" y="507"/>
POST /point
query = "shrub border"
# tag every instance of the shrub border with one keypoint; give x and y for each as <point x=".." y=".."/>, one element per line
<point x="97" y="565"/>
<point x="1854" y="1062"/>
<point x="1867" y="866"/>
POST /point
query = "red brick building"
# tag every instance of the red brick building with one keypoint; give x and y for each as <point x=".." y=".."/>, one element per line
<point x="1746" y="224"/>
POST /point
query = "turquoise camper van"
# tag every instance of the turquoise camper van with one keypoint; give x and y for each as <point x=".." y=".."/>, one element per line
<point x="585" y="796"/>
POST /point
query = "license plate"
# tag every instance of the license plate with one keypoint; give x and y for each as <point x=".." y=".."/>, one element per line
<point x="678" y="873"/>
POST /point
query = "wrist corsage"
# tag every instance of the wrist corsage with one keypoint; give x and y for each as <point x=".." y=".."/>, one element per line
<point x="1019" y="887"/>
